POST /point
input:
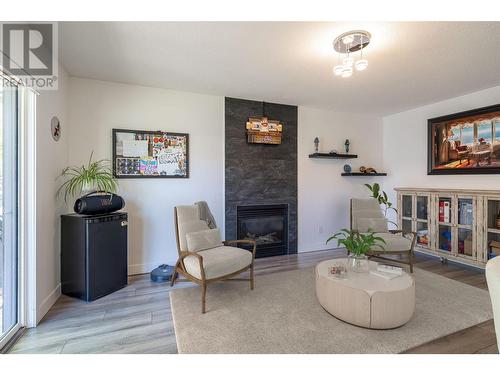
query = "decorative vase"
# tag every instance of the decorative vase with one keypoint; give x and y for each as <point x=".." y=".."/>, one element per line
<point x="358" y="263"/>
<point x="346" y="144"/>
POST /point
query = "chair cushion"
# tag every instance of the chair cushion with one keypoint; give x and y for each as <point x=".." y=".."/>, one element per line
<point x="393" y="242"/>
<point x="364" y="208"/>
<point x="203" y="240"/>
<point x="219" y="261"/>
<point x="188" y="220"/>
<point x="365" y="224"/>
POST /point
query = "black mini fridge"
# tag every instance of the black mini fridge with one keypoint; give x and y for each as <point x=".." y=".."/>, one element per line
<point x="93" y="254"/>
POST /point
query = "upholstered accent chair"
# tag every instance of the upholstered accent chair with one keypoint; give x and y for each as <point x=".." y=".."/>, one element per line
<point x="367" y="216"/>
<point x="203" y="257"/>
<point x="493" y="280"/>
<point x="458" y="151"/>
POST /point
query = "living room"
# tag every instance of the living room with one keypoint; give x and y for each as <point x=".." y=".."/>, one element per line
<point x="343" y="174"/>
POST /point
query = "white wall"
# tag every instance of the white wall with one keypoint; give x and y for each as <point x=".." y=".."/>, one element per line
<point x="96" y="107"/>
<point x="405" y="145"/>
<point x="323" y="194"/>
<point x="89" y="109"/>
<point x="51" y="158"/>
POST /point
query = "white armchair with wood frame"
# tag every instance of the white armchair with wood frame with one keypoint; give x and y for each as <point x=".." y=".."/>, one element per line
<point x="493" y="280"/>
<point x="203" y="257"/>
<point x="367" y="216"/>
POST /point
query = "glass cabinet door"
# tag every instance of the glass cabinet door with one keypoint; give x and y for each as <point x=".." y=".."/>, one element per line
<point x="445" y="223"/>
<point x="422" y="220"/>
<point x="465" y="220"/>
<point x="407" y="212"/>
<point x="492" y="228"/>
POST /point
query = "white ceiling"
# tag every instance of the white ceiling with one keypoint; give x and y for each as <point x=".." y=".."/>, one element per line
<point x="410" y="64"/>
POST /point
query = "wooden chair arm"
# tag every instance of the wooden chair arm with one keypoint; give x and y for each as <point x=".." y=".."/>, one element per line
<point x="249" y="242"/>
<point x="396" y="231"/>
<point x="184" y="254"/>
<point x="403" y="232"/>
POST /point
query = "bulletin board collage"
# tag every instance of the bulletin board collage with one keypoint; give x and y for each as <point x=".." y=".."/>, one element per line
<point x="141" y="153"/>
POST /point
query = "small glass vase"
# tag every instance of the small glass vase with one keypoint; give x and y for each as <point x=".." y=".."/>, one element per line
<point x="358" y="263"/>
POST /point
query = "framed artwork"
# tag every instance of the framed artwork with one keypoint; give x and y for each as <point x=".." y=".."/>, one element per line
<point x="264" y="131"/>
<point x="150" y="154"/>
<point x="465" y="143"/>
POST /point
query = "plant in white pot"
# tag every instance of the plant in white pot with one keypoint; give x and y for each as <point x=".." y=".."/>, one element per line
<point x="357" y="245"/>
<point x="95" y="176"/>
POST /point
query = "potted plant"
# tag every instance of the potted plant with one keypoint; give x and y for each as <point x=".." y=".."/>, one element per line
<point x="357" y="245"/>
<point x="95" y="176"/>
<point x="383" y="199"/>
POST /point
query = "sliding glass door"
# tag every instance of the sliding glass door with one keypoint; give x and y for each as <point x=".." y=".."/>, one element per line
<point x="9" y="211"/>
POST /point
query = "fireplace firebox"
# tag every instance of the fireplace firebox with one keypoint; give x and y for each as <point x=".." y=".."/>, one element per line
<point x="267" y="225"/>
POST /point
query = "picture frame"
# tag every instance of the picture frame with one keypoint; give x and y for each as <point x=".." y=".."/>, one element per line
<point x="150" y="154"/>
<point x="464" y="143"/>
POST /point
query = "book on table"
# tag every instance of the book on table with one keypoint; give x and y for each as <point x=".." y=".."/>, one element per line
<point x="384" y="275"/>
<point x="387" y="268"/>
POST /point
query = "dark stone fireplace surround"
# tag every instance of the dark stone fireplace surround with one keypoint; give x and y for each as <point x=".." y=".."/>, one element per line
<point x="257" y="175"/>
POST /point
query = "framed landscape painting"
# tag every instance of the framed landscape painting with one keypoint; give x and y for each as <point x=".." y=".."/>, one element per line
<point x="465" y="143"/>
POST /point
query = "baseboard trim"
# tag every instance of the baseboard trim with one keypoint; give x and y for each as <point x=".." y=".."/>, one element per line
<point x="47" y="303"/>
<point x="315" y="247"/>
<point x="141" y="268"/>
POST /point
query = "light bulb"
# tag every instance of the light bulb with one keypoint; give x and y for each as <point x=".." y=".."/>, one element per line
<point x="347" y="61"/>
<point x="361" y="64"/>
<point x="348" y="39"/>
<point x="346" y="72"/>
<point x="337" y="70"/>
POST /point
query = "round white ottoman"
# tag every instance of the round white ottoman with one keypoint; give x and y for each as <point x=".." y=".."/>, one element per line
<point x="364" y="299"/>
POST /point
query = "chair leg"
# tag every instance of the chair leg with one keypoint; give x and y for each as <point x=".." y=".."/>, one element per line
<point x="251" y="277"/>
<point x="203" y="294"/>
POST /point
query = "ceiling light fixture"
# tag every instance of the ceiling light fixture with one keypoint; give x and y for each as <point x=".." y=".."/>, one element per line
<point x="337" y="70"/>
<point x="345" y="45"/>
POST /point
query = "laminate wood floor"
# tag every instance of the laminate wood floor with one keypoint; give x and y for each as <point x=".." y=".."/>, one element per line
<point x="137" y="319"/>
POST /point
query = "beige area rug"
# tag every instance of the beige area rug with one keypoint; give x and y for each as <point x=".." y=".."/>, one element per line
<point x="282" y="315"/>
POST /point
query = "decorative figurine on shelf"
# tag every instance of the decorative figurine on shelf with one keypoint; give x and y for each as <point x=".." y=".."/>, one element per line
<point x="346" y="144"/>
<point x="316" y="144"/>
<point x="333" y="152"/>
<point x="363" y="169"/>
<point x="498" y="220"/>
<point x="347" y="168"/>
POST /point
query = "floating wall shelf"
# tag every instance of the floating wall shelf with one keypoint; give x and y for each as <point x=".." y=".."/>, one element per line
<point x="359" y="174"/>
<point x="325" y="155"/>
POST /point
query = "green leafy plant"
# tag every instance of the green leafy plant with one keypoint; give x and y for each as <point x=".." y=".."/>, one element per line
<point x="382" y="198"/>
<point x="95" y="175"/>
<point x="355" y="242"/>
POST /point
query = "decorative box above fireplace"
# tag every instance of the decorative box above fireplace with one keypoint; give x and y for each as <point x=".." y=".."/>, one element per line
<point x="262" y="130"/>
<point x="267" y="225"/>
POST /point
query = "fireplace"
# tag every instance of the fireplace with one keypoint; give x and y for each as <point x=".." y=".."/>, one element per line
<point x="267" y="225"/>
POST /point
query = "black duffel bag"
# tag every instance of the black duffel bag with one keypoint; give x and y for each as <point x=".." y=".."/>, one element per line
<point x="98" y="202"/>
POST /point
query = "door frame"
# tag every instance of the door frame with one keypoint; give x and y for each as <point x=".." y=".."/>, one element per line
<point x="26" y="152"/>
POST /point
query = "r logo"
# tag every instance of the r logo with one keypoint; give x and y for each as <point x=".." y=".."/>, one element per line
<point x="28" y="48"/>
